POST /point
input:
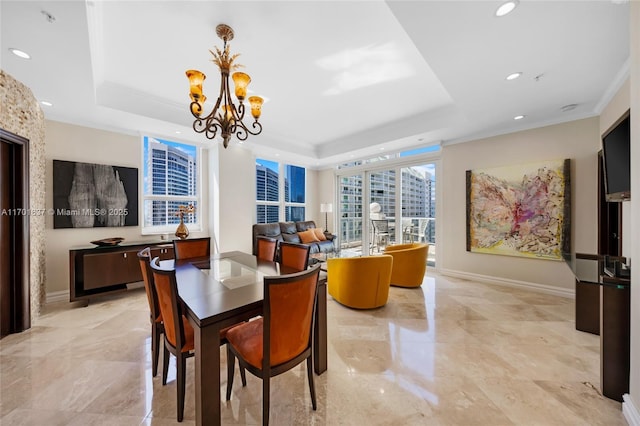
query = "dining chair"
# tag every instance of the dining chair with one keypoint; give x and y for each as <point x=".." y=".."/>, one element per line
<point x="192" y="247"/>
<point x="420" y="232"/>
<point x="282" y="338"/>
<point x="266" y="248"/>
<point x="407" y="230"/>
<point x="380" y="231"/>
<point x="157" y="326"/>
<point x="294" y="256"/>
<point x="178" y="333"/>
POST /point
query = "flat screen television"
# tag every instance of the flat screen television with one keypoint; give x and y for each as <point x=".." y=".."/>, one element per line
<point x="616" y="160"/>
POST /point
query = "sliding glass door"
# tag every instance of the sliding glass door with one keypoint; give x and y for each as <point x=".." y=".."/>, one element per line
<point x="350" y="210"/>
<point x="392" y="204"/>
<point x="418" y="206"/>
<point x="382" y="208"/>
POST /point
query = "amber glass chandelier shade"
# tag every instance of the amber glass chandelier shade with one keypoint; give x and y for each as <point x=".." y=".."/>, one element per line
<point x="256" y="106"/>
<point x="241" y="81"/>
<point x="195" y="81"/>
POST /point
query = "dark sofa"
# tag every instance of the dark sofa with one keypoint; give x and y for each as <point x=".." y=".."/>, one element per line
<point x="288" y="231"/>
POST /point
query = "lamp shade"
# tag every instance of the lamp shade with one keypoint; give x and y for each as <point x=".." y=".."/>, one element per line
<point x="256" y="106"/>
<point x="326" y="208"/>
<point x="241" y="80"/>
<point x="195" y="81"/>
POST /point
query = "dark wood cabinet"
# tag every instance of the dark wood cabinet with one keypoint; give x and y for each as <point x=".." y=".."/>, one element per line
<point x="615" y="316"/>
<point x="96" y="271"/>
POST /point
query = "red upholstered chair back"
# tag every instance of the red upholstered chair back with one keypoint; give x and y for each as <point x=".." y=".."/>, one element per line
<point x="167" y="289"/>
<point x="144" y="257"/>
<point x="190" y="248"/>
<point x="266" y="248"/>
<point x="288" y="314"/>
<point x="294" y="256"/>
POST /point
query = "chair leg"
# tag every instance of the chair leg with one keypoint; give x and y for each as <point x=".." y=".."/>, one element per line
<point x="231" y="366"/>
<point x="312" y="386"/>
<point x="243" y="375"/>
<point x="165" y="364"/>
<point x="265" y="398"/>
<point x="155" y="348"/>
<point x="181" y="364"/>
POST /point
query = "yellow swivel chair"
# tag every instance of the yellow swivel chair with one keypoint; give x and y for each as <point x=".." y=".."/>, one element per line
<point x="360" y="282"/>
<point x="409" y="264"/>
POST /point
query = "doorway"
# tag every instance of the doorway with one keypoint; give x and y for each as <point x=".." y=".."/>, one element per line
<point x="14" y="234"/>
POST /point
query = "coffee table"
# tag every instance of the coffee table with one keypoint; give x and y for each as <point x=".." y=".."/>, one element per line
<point x="322" y="257"/>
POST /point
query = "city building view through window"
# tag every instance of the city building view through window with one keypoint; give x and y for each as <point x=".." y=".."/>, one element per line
<point x="400" y="204"/>
<point x="170" y="180"/>
<point x="274" y="193"/>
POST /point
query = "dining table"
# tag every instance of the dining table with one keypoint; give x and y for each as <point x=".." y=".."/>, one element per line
<point x="219" y="291"/>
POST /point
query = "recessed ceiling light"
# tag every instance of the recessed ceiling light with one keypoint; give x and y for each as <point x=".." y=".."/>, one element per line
<point x="519" y="117"/>
<point x="19" y="53"/>
<point x="569" y="107"/>
<point x="381" y="149"/>
<point x="506" y="7"/>
<point x="46" y="103"/>
<point x="513" y="76"/>
<point x="178" y="132"/>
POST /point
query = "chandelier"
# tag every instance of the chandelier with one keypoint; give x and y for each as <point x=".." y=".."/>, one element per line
<point x="226" y="117"/>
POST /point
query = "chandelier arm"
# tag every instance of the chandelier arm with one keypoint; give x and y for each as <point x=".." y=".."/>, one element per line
<point x="240" y="111"/>
<point x="196" y="109"/>
<point x="202" y="126"/>
<point x="243" y="131"/>
<point x="213" y="126"/>
<point x="215" y="108"/>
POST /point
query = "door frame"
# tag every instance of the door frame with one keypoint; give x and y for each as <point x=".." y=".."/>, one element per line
<point x="19" y="258"/>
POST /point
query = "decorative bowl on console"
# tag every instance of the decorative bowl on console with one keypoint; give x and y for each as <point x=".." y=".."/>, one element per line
<point x="114" y="241"/>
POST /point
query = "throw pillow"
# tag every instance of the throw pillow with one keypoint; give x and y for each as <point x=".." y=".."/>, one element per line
<point x="319" y="234"/>
<point x="307" y="236"/>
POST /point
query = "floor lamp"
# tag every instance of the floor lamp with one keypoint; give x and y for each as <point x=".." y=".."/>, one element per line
<point x="326" y="208"/>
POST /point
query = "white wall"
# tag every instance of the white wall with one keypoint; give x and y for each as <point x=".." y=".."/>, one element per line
<point x="233" y="196"/>
<point x="577" y="140"/>
<point x="232" y="181"/>
<point x="74" y="143"/>
<point x="327" y="188"/>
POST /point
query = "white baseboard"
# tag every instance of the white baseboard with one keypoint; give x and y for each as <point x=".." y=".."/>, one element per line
<point x="630" y="411"/>
<point x="486" y="279"/>
<point x="57" y="296"/>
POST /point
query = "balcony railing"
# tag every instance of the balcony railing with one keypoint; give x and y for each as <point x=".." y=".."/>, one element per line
<point x="413" y="229"/>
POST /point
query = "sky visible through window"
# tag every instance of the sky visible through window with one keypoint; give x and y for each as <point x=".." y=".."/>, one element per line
<point x="268" y="164"/>
<point x="432" y="148"/>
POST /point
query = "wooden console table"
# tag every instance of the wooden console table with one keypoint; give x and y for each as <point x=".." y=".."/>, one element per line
<point x="99" y="270"/>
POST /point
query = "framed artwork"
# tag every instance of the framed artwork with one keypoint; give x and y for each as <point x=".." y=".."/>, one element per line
<point x="87" y="195"/>
<point x="521" y="210"/>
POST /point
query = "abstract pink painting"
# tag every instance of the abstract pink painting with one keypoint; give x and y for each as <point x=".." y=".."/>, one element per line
<point x="521" y="210"/>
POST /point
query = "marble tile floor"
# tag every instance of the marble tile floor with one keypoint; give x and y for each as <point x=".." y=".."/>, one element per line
<point x="453" y="352"/>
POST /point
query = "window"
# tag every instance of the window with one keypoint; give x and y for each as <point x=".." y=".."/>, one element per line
<point x="170" y="179"/>
<point x="280" y="192"/>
